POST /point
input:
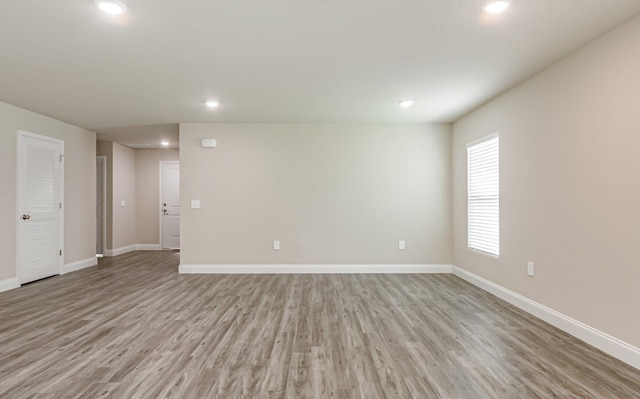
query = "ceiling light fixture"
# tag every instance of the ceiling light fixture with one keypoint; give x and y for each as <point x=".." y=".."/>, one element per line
<point x="496" y="6"/>
<point x="213" y="103"/>
<point x="164" y="143"/>
<point x="405" y="103"/>
<point x="112" y="7"/>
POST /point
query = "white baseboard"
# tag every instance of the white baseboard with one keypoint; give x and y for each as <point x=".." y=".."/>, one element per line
<point x="312" y="269"/>
<point x="119" y="251"/>
<point x="606" y="343"/>
<point x="9" y="284"/>
<point x="131" y="248"/>
<point x="148" y="247"/>
<point x="78" y="265"/>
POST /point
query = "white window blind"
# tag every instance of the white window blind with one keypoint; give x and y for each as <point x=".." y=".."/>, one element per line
<point x="483" y="163"/>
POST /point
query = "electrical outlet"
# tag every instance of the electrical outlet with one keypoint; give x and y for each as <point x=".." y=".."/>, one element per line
<point x="530" y="269"/>
<point x="276" y="245"/>
<point x="401" y="244"/>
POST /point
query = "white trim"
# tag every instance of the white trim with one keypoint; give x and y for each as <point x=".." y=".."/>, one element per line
<point x="606" y="343"/>
<point x="9" y="284"/>
<point x="79" y="265"/>
<point x="313" y="269"/>
<point x="483" y="139"/>
<point x="119" y="251"/>
<point x="148" y="247"/>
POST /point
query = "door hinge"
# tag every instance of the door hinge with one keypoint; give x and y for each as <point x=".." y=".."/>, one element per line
<point x="61" y="205"/>
<point x="60" y="252"/>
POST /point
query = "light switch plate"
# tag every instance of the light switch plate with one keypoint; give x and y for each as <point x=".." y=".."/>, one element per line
<point x="401" y="244"/>
<point x="195" y="204"/>
<point x="208" y="143"/>
<point x="276" y="245"/>
<point x="122" y="203"/>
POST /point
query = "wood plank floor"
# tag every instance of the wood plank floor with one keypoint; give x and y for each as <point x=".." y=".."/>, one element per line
<point x="133" y="328"/>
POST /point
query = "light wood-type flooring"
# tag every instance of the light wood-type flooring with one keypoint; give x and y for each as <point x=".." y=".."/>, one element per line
<point x="133" y="328"/>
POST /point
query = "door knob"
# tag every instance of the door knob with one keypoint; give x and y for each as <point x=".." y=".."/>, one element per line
<point x="26" y="217"/>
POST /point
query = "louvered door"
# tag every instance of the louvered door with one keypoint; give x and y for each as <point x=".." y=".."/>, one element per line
<point x="39" y="206"/>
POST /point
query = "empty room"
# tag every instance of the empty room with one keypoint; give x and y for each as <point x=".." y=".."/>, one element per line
<point x="358" y="199"/>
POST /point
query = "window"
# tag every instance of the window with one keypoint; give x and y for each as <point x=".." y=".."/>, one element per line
<point x="483" y="195"/>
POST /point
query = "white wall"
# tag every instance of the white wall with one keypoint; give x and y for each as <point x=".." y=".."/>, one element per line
<point x="331" y="193"/>
<point x="570" y="185"/>
<point x="79" y="184"/>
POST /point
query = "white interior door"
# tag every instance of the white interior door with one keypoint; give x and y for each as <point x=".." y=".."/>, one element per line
<point x="40" y="214"/>
<point x="170" y="204"/>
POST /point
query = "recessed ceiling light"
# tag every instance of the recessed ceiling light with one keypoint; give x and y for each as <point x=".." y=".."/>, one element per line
<point x="213" y="103"/>
<point x="112" y="7"/>
<point x="165" y="143"/>
<point x="405" y="103"/>
<point x="496" y="6"/>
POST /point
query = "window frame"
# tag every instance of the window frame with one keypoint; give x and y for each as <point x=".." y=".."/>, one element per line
<point x="469" y="244"/>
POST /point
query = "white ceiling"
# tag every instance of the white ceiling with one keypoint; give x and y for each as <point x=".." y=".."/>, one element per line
<point x="281" y="60"/>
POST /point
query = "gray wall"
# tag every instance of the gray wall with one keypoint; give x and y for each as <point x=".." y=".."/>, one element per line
<point x="79" y="184"/>
<point x="124" y="188"/>
<point x="105" y="148"/>
<point x="148" y="193"/>
<point x="570" y="185"/>
<point x="133" y="175"/>
<point x="121" y="185"/>
<point x="332" y="194"/>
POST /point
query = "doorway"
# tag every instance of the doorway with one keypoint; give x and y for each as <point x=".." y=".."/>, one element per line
<point x="40" y="206"/>
<point x="101" y="205"/>
<point x="170" y="204"/>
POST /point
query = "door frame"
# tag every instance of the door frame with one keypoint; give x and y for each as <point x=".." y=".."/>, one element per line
<point x="161" y="243"/>
<point x="21" y="134"/>
<point x="102" y="159"/>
